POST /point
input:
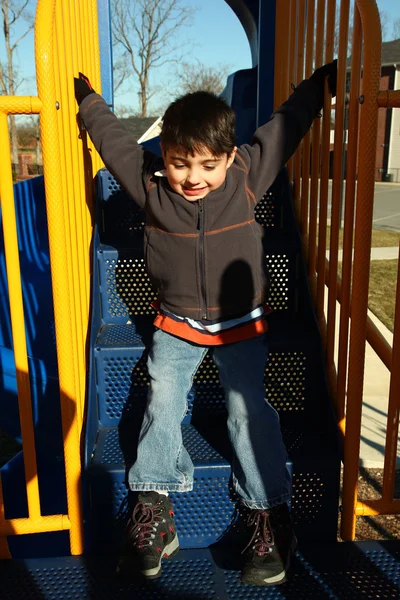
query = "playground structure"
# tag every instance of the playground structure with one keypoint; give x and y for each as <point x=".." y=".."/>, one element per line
<point x="73" y="380"/>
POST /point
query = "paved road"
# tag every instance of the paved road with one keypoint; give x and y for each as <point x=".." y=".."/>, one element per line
<point x="386" y="206"/>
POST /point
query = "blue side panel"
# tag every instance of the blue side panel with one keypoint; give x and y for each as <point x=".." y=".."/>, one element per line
<point x="241" y="93"/>
<point x="266" y="60"/>
<point x="106" y="51"/>
<point x="39" y="322"/>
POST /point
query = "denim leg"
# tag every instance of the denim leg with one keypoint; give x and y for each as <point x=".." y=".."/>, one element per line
<point x="162" y="461"/>
<point x="260" y="475"/>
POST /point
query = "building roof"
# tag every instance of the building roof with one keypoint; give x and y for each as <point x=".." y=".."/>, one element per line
<point x="391" y="52"/>
<point x="137" y="126"/>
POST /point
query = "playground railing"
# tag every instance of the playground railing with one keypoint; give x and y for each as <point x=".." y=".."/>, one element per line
<point x="66" y="42"/>
<point x="318" y="32"/>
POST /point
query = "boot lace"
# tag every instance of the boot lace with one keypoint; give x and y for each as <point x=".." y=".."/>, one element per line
<point x="143" y="524"/>
<point x="262" y="539"/>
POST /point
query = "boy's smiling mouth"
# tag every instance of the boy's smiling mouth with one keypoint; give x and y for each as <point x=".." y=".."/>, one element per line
<point x="193" y="191"/>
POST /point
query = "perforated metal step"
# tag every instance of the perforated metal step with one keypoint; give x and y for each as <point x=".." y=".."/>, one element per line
<point x="347" y="571"/>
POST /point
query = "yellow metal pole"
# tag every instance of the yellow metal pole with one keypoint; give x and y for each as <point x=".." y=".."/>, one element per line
<point x="75" y="247"/>
<point x="362" y="244"/>
<point x="56" y="196"/>
<point x="18" y="321"/>
<point x="38" y="525"/>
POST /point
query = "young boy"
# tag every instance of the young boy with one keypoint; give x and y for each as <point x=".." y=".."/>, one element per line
<point x="204" y="256"/>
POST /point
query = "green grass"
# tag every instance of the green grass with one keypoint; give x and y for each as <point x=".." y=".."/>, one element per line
<point x="380" y="238"/>
<point x="382" y="290"/>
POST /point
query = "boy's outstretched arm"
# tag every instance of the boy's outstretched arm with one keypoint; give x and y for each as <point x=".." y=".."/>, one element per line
<point x="121" y="153"/>
<point x="275" y="142"/>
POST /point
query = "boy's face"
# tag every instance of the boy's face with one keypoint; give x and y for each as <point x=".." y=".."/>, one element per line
<point x="193" y="177"/>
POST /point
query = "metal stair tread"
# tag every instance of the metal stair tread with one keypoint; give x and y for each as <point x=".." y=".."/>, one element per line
<point x="108" y="448"/>
<point x="320" y="570"/>
<point x="209" y="446"/>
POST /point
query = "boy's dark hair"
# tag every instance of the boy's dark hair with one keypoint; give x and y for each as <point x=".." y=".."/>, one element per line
<point x="198" y="120"/>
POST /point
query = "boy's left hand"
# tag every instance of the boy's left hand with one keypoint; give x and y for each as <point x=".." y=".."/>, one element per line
<point x="330" y="71"/>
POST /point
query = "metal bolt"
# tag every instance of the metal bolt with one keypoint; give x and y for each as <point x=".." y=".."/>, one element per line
<point x="361" y="99"/>
<point x="57" y="105"/>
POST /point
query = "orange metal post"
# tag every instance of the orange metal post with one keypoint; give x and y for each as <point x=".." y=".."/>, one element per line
<point x="292" y="65"/>
<point x="305" y="182"/>
<point x="352" y="150"/>
<point x="337" y="190"/>
<point x="315" y="166"/>
<point x="363" y="228"/>
<point x="392" y="432"/>
<point x="299" y="77"/>
<point x="279" y="56"/>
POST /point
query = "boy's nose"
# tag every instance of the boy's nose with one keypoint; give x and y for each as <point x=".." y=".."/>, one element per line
<point x="193" y="178"/>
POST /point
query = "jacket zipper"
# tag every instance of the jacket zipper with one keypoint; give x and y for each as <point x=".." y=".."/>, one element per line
<point x="202" y="263"/>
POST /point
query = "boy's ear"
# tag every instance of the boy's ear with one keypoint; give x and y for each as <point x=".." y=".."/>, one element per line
<point x="231" y="157"/>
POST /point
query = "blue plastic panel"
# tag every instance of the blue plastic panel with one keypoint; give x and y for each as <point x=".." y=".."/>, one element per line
<point x="105" y="39"/>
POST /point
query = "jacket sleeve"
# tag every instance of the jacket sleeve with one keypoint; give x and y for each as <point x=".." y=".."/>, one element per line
<point x="275" y="142"/>
<point x="122" y="155"/>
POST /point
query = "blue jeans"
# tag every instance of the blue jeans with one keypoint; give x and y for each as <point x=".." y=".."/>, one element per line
<point x="260" y="476"/>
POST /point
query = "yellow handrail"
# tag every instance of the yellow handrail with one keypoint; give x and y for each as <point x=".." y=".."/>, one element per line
<point x="60" y="27"/>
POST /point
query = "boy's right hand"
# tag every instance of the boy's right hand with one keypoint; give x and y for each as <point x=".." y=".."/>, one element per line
<point x="83" y="88"/>
<point x="328" y="71"/>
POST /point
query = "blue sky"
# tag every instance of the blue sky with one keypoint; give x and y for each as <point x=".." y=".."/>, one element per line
<point x="216" y="35"/>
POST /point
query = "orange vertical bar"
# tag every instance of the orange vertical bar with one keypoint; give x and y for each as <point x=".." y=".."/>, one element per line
<point x="305" y="182"/>
<point x="325" y="162"/>
<point x="337" y="183"/>
<point x="315" y="160"/>
<point x="362" y="247"/>
<point x="279" y="57"/>
<point x="392" y="434"/>
<point x="283" y="94"/>
<point x="292" y="65"/>
<point x="348" y="229"/>
<point x="299" y="77"/>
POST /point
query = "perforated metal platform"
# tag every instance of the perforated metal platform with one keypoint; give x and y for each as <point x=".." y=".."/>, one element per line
<point x="367" y="570"/>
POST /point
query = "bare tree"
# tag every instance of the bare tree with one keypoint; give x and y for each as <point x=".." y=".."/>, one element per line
<point x="193" y="77"/>
<point x="396" y="29"/>
<point x="122" y="111"/>
<point x="146" y="31"/>
<point x="13" y="12"/>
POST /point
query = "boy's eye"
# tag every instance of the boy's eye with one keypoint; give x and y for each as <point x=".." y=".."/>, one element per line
<point x="209" y="167"/>
<point x="179" y="166"/>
